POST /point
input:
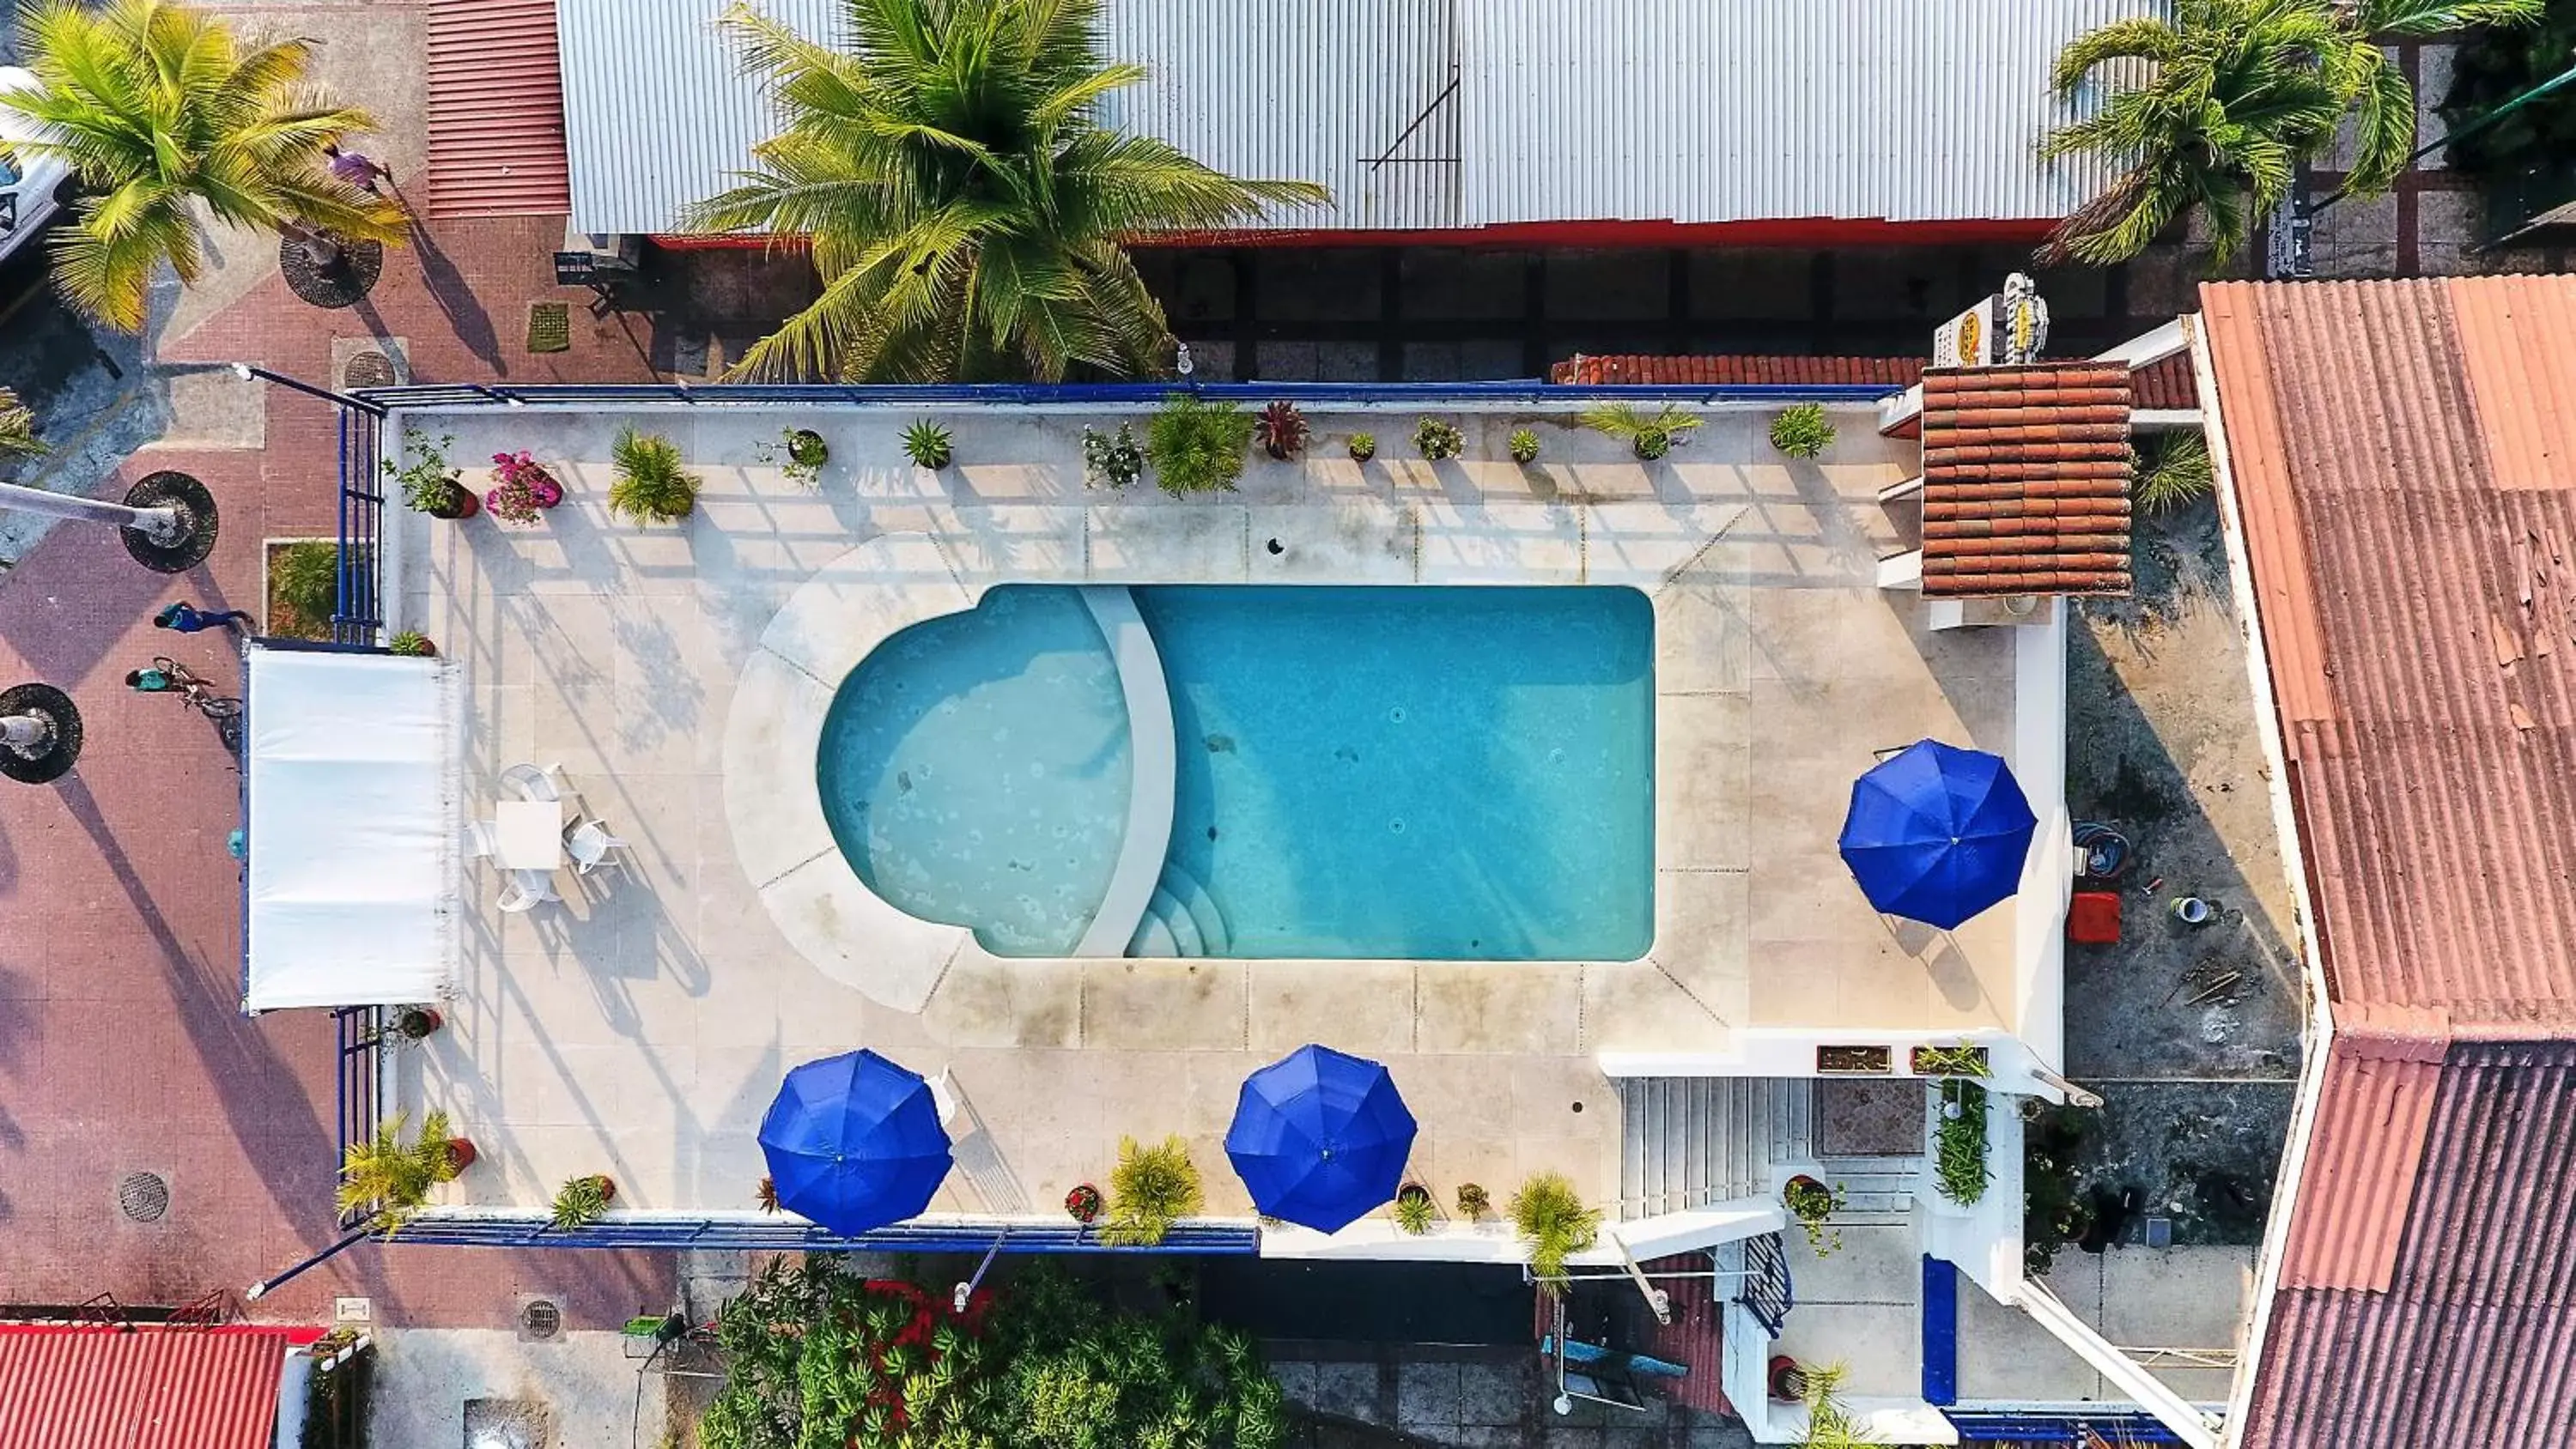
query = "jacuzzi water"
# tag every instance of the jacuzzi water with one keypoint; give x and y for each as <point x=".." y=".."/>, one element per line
<point x="1360" y="773"/>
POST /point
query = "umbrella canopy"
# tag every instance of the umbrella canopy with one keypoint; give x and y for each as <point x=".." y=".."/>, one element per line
<point x="1936" y="833"/>
<point x="1320" y="1137"/>
<point x="854" y="1143"/>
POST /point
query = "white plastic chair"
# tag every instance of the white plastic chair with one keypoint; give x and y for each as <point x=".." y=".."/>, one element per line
<point x="534" y="782"/>
<point x="482" y="839"/>
<point x="515" y="895"/>
<point x="589" y="845"/>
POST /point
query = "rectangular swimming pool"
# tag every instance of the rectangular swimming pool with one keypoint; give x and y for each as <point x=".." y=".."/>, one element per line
<point x="1406" y="773"/>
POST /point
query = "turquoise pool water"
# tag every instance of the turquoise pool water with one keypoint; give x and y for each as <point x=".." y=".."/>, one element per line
<point x="1360" y="773"/>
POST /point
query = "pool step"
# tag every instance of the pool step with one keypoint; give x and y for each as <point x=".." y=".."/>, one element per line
<point x="1153" y="938"/>
<point x="1183" y="929"/>
<point x="1201" y="906"/>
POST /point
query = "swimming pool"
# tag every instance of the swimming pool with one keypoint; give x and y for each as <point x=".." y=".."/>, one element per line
<point x="1413" y="773"/>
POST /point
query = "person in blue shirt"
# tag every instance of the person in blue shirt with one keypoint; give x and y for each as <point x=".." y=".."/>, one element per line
<point x="188" y="619"/>
<point x="148" y="681"/>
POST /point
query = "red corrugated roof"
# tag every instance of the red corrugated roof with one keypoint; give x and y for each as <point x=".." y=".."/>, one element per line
<point x="2026" y="480"/>
<point x="496" y="122"/>
<point x="2401" y="454"/>
<point x="2473" y="1343"/>
<point x="1633" y="369"/>
<point x="2164" y="385"/>
<point x="151" y="1388"/>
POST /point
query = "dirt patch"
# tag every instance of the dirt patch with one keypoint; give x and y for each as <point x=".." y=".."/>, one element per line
<point x="2200" y="1156"/>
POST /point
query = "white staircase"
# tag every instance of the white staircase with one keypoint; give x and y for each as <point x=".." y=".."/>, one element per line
<point x="1687" y="1142"/>
<point x="1871" y="1186"/>
<point x="1180" y="920"/>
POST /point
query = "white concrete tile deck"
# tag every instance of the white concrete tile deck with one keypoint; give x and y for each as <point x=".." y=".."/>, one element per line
<point x="640" y="1027"/>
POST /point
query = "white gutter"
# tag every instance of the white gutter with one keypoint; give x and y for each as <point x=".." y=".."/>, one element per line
<point x="2320" y="1027"/>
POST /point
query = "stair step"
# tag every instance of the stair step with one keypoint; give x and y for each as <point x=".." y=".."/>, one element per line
<point x="1184" y="930"/>
<point x="1153" y="938"/>
<point x="1201" y="906"/>
<point x="1688" y="1142"/>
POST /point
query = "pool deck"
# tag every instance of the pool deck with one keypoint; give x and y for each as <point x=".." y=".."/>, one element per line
<point x="640" y="1027"/>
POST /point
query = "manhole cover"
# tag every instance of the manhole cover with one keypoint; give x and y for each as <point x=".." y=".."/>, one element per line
<point x="540" y="1318"/>
<point x="368" y="369"/>
<point x="143" y="1196"/>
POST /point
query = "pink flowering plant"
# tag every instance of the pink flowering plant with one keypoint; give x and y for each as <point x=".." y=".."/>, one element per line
<point x="525" y="488"/>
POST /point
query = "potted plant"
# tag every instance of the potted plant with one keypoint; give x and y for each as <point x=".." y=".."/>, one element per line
<point x="766" y="1195"/>
<point x="415" y="1023"/>
<point x="1786" y="1379"/>
<point x="1197" y="446"/>
<point x="524" y="488"/>
<point x="1855" y="1061"/>
<point x="1961" y="1060"/>
<point x="1363" y="447"/>
<point x="428" y="482"/>
<point x="1959" y="1143"/>
<point x="1413" y="1209"/>
<point x="1112" y="458"/>
<point x="584" y="1200"/>
<point x="1149" y="1190"/>
<point x="1438" y="439"/>
<point x="411" y="644"/>
<point x="928" y="445"/>
<point x="800" y="454"/>
<point x="651" y="485"/>
<point x="1812" y="1204"/>
<point x="1829" y="1424"/>
<point x="1649" y="436"/>
<point x="393" y="1177"/>
<point x="1550" y="1217"/>
<point x="1524" y="446"/>
<point x="1282" y="430"/>
<point x="1083" y="1204"/>
<point x="1802" y="431"/>
<point x="1473" y="1201"/>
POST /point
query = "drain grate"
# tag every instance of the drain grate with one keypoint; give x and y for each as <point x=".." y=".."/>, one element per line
<point x="540" y="1318"/>
<point x="143" y="1196"/>
<point x="368" y="369"/>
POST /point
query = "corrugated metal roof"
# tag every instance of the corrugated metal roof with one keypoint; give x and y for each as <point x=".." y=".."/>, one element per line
<point x="1681" y="110"/>
<point x="152" y="1388"/>
<point x="1733" y="110"/>
<point x="2421" y="623"/>
<point x="2026" y="480"/>
<point x="496" y="120"/>
<point x="2372" y="1113"/>
<point x="1627" y="369"/>
<point x="2473" y="1343"/>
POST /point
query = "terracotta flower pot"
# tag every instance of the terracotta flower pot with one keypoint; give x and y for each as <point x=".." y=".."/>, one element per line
<point x="419" y="1022"/>
<point x="461" y="503"/>
<point x="1083" y="1204"/>
<point x="460" y="1153"/>
<point x="1788" y="1382"/>
<point x="546" y="491"/>
<point x="607" y="1186"/>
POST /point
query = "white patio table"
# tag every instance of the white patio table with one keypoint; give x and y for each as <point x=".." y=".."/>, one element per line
<point x="530" y="834"/>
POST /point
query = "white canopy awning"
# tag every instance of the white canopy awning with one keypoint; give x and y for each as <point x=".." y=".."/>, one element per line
<point x="352" y="829"/>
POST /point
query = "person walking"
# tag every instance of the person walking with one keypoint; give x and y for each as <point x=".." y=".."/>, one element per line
<point x="188" y="619"/>
<point x="149" y="681"/>
<point x="357" y="168"/>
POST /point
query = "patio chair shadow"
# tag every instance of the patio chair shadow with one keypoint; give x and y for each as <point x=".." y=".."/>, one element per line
<point x="232" y="1047"/>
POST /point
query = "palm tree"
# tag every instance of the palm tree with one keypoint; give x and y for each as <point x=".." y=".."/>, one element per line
<point x="2235" y="94"/>
<point x="964" y="202"/>
<point x="17" y="428"/>
<point x="159" y="109"/>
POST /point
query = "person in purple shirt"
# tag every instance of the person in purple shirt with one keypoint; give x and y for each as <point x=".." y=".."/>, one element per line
<point x="357" y="168"/>
<point x="187" y="619"/>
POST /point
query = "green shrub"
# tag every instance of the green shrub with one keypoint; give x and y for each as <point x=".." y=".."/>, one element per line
<point x="1829" y="1424"/>
<point x="1473" y="1201"/>
<point x="928" y="444"/>
<point x="1363" y="447"/>
<point x="582" y="1201"/>
<point x="2173" y="471"/>
<point x="1197" y="446"/>
<point x="413" y="644"/>
<point x="1150" y="1189"/>
<point x="1649" y="436"/>
<point x="800" y="454"/>
<point x="429" y="483"/>
<point x="1802" y="431"/>
<point x="1959" y="1158"/>
<point x="1414" y="1212"/>
<point x="394" y="1177"/>
<point x="1113" y="458"/>
<point x="1550" y="1217"/>
<point x="1957" y="1060"/>
<point x="304" y="583"/>
<point x="1524" y="446"/>
<point x="651" y="485"/>
<point x="1437" y="439"/>
<point x="1812" y="1204"/>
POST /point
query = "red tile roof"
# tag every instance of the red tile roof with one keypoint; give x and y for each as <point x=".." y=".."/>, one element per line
<point x="496" y="123"/>
<point x="2472" y="1344"/>
<point x="2404" y="458"/>
<point x="1629" y="369"/>
<point x="151" y="1388"/>
<point x="2026" y="480"/>
<point x="2164" y="385"/>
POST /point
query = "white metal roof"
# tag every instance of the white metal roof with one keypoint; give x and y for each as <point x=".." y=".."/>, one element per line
<point x="1681" y="110"/>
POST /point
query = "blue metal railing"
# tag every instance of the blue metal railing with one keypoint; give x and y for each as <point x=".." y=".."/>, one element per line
<point x="356" y="1084"/>
<point x="359" y="610"/>
<point x="2042" y="1428"/>
<point x="791" y="1234"/>
<point x="1765" y="1291"/>
<point x="1528" y="391"/>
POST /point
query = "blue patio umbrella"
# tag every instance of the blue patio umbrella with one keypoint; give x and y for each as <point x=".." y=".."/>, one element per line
<point x="1936" y="833"/>
<point x="1320" y="1137"/>
<point x="854" y="1143"/>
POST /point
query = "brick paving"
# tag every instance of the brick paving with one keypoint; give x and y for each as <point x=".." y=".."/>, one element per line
<point x="121" y="1045"/>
